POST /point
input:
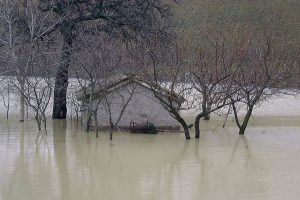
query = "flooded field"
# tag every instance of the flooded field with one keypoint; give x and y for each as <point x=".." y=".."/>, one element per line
<point x="71" y="164"/>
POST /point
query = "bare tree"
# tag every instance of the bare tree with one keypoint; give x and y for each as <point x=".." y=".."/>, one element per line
<point x="125" y="19"/>
<point x="5" y="92"/>
<point x="38" y="98"/>
<point x="266" y="73"/>
<point x="212" y="65"/>
<point x="119" y="99"/>
<point x="73" y="102"/>
<point x="39" y="86"/>
<point x="22" y="26"/>
<point x="12" y="43"/>
<point x="97" y="72"/>
<point x="102" y="93"/>
<point x="163" y="67"/>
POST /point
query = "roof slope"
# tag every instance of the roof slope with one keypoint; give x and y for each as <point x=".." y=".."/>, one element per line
<point x="115" y="82"/>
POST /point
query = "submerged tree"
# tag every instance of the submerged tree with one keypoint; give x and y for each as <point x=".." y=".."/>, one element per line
<point x="212" y="66"/>
<point x="38" y="97"/>
<point x="21" y="27"/>
<point x="266" y="72"/>
<point x="125" y="19"/>
<point x="99" y="73"/>
<point x="162" y="66"/>
<point x="5" y="93"/>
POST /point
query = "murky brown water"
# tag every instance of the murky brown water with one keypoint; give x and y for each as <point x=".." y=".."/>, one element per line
<point x="69" y="164"/>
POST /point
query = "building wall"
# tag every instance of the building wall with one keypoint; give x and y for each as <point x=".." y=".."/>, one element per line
<point x="142" y="107"/>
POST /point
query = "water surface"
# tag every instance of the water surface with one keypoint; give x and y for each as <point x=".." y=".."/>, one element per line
<point x="71" y="164"/>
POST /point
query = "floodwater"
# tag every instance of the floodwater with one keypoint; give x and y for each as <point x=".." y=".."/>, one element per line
<point x="70" y="164"/>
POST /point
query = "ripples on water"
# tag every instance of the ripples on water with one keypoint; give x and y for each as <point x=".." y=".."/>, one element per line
<point x="70" y="164"/>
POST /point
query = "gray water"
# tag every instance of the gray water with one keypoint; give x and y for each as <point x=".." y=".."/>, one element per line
<point x="71" y="164"/>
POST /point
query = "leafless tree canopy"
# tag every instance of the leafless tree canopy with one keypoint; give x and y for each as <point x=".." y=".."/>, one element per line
<point x="134" y="19"/>
<point x="92" y="40"/>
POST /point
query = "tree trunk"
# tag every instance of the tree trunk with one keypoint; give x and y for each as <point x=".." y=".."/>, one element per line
<point x="186" y="133"/>
<point x="77" y="117"/>
<point x="246" y="120"/>
<point x="204" y="106"/>
<point x="61" y="79"/>
<point x="111" y="131"/>
<point x="226" y="117"/>
<point x="96" y="124"/>
<point x="38" y="121"/>
<point x="207" y="117"/>
<point x="197" y="125"/>
<point x="207" y="113"/>
<point x="22" y="100"/>
<point x="8" y="100"/>
<point x="44" y="119"/>
<point x="183" y="124"/>
<point x="87" y="122"/>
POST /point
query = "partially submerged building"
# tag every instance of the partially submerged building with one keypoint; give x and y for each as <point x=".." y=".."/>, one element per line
<point x="134" y="98"/>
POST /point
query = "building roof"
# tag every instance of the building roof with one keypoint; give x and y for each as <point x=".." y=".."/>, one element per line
<point x="115" y="82"/>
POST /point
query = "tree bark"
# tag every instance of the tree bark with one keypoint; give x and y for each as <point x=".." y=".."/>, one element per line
<point x="246" y="120"/>
<point x="22" y="100"/>
<point x="87" y="122"/>
<point x="61" y="79"/>
<point x="207" y="113"/>
<point x="38" y="121"/>
<point x="184" y="126"/>
<point x="186" y="133"/>
<point x="207" y="117"/>
<point x="96" y="124"/>
<point x="44" y="119"/>
<point x="8" y="101"/>
<point x="197" y="125"/>
<point x="111" y="130"/>
<point x="204" y="105"/>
